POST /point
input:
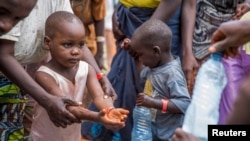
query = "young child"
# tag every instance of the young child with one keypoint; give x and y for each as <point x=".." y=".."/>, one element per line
<point x="127" y="16"/>
<point x="66" y="76"/>
<point x="165" y="81"/>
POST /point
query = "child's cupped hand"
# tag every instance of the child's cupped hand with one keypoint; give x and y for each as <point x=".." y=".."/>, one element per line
<point x="113" y="118"/>
<point x="117" y="114"/>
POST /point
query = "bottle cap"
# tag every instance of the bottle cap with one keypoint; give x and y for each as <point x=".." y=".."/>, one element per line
<point x="217" y="55"/>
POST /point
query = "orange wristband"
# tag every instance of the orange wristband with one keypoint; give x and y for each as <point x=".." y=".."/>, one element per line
<point x="107" y="110"/>
<point x="99" y="75"/>
<point x="164" y="105"/>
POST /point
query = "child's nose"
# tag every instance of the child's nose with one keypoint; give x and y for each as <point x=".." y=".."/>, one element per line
<point x="75" y="51"/>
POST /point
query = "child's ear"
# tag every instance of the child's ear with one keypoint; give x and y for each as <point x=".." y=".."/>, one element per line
<point x="157" y="50"/>
<point x="46" y="43"/>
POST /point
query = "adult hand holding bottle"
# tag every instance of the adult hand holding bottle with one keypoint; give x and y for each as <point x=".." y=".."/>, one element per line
<point x="230" y="34"/>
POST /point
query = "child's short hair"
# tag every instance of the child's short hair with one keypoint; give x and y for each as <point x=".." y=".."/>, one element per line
<point x="154" y="32"/>
<point x="56" y="18"/>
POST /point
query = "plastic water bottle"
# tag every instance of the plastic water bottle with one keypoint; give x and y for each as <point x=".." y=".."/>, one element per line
<point x="142" y="124"/>
<point x="204" y="107"/>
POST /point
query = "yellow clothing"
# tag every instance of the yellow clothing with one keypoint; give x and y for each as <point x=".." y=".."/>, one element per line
<point x="89" y="11"/>
<point x="246" y="46"/>
<point x="140" y="3"/>
<point x="148" y="88"/>
<point x="90" y="38"/>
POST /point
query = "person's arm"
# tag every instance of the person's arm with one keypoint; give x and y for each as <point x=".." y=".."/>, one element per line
<point x="50" y="85"/>
<point x="189" y="63"/>
<point x="230" y="34"/>
<point x="163" y="13"/>
<point x="96" y="93"/>
<point x="99" y="12"/>
<point x="100" y="39"/>
<point x="12" y="69"/>
<point x="83" y="113"/>
<point x="105" y="83"/>
<point x="103" y="117"/>
<point x="118" y="34"/>
<point x="156" y="103"/>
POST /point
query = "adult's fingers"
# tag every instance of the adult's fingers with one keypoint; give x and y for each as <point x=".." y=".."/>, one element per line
<point x="218" y="46"/>
<point x="118" y="34"/>
<point x="218" y="41"/>
<point x="56" y="122"/>
<point x="59" y="122"/>
<point x="109" y="92"/>
<point x="114" y="97"/>
<point x="218" y="35"/>
<point x="71" y="102"/>
<point x="69" y="117"/>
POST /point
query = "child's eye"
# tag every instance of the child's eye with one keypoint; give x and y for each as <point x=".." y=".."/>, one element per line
<point x="81" y="45"/>
<point x="67" y="45"/>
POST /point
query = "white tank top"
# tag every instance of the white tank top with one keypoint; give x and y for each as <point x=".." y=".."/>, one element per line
<point x="42" y="128"/>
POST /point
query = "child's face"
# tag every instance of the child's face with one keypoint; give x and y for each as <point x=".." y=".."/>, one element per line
<point x="67" y="44"/>
<point x="147" y="55"/>
<point x="12" y="11"/>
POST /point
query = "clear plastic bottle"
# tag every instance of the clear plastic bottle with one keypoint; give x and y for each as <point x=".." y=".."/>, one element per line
<point x="204" y="107"/>
<point x="142" y="130"/>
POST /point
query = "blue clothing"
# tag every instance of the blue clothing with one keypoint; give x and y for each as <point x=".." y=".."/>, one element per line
<point x="168" y="82"/>
<point x="123" y="75"/>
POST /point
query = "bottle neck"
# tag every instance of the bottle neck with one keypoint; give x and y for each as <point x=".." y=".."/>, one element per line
<point x="217" y="56"/>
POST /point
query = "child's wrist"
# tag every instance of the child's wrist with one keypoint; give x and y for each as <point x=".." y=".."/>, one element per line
<point x="164" y="105"/>
<point x="107" y="110"/>
<point x="97" y="118"/>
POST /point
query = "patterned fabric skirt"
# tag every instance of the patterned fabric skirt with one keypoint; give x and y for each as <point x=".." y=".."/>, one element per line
<point x="208" y="19"/>
<point x="12" y="104"/>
